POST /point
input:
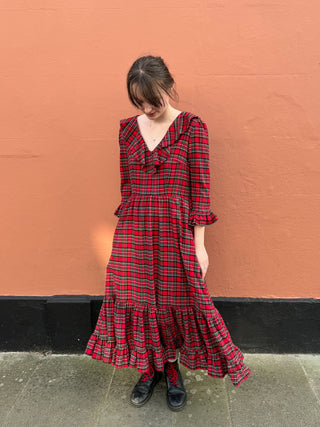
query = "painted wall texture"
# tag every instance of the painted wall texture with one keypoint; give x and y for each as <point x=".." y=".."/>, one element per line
<point x="249" y="69"/>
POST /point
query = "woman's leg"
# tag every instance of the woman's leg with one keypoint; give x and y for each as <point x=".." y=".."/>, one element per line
<point x="177" y="355"/>
<point x="176" y="392"/>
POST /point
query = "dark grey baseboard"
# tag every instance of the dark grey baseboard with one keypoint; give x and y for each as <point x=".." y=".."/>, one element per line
<point x="64" y="323"/>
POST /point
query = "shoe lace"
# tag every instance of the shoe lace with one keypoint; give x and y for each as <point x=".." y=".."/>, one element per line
<point x="172" y="373"/>
<point x="147" y="375"/>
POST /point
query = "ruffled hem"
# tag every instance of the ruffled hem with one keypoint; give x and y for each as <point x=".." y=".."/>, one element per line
<point x="199" y="218"/>
<point x="128" y="335"/>
<point x="190" y="358"/>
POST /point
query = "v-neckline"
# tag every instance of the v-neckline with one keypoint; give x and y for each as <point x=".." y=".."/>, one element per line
<point x="164" y="137"/>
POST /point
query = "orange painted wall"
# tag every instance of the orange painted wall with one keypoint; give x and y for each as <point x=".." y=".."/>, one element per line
<point x="249" y="69"/>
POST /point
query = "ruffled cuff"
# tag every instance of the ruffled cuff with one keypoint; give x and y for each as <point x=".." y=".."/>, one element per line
<point x="202" y="218"/>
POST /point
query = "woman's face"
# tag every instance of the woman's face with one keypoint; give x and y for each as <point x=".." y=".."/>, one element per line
<point x="150" y="110"/>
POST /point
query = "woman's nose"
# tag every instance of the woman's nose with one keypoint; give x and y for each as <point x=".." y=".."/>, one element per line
<point x="147" y="108"/>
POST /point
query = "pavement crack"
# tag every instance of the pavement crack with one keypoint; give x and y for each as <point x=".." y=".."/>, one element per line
<point x="228" y="402"/>
<point x="20" y="394"/>
<point x="98" y="416"/>
<point x="309" y="380"/>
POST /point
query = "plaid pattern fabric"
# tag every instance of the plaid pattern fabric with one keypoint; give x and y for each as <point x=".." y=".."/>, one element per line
<point x="156" y="300"/>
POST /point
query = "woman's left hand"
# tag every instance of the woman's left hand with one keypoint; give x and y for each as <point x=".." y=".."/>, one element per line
<point x="203" y="259"/>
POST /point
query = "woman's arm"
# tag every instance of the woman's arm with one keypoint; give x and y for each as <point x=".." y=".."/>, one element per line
<point x="199" y="235"/>
<point x="198" y="159"/>
<point x="201" y="213"/>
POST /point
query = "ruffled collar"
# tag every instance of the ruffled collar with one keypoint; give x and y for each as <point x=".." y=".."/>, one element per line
<point x="136" y="146"/>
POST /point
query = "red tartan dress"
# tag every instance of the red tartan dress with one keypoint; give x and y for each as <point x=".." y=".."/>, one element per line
<point x="156" y="300"/>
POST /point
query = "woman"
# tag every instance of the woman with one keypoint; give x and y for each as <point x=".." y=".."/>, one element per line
<point x="157" y="307"/>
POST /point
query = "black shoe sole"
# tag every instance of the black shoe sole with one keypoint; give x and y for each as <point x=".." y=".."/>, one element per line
<point x="148" y="397"/>
<point x="176" y="408"/>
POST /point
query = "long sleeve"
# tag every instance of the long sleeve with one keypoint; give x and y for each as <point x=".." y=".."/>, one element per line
<point x="125" y="185"/>
<point x="198" y="159"/>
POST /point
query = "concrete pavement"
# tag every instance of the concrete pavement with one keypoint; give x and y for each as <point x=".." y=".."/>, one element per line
<point x="75" y="390"/>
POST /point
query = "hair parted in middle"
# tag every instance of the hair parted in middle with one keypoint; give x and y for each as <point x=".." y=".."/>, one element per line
<point x="146" y="77"/>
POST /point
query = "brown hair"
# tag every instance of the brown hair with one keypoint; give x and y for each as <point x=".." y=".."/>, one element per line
<point x="149" y="74"/>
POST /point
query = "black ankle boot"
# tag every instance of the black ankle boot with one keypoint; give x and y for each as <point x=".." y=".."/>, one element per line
<point x="176" y="393"/>
<point x="143" y="390"/>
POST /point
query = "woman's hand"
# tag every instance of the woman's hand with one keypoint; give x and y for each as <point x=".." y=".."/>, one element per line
<point x="203" y="259"/>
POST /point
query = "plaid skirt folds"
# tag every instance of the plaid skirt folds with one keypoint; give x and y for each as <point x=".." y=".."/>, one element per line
<point x="155" y="298"/>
